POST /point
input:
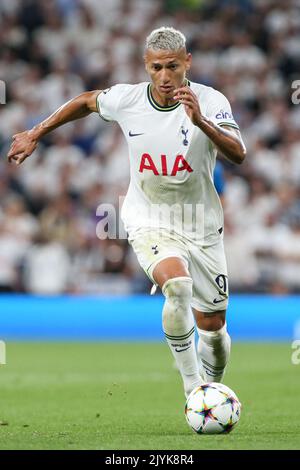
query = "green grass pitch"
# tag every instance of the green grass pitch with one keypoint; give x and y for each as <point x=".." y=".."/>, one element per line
<point x="128" y="396"/>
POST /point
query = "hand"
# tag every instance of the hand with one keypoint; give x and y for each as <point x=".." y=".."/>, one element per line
<point x="191" y="104"/>
<point x="23" y="145"/>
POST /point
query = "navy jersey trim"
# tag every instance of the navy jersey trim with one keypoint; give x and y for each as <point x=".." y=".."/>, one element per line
<point x="229" y="124"/>
<point x="98" y="108"/>
<point x="157" y="106"/>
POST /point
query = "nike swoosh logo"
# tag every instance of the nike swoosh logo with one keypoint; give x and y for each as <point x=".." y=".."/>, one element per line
<point x="180" y="350"/>
<point x="216" y="301"/>
<point x="134" y="135"/>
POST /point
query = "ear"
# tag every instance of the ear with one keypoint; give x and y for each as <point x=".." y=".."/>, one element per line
<point x="145" y="62"/>
<point x="188" y="61"/>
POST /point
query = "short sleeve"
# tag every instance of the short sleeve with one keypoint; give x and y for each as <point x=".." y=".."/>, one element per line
<point x="108" y="102"/>
<point x="219" y="110"/>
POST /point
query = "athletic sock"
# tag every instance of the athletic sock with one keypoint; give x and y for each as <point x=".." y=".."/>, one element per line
<point x="213" y="353"/>
<point x="178" y="326"/>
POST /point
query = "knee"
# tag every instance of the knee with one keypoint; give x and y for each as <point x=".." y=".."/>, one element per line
<point x="179" y="288"/>
<point x="212" y="322"/>
<point x="178" y="292"/>
<point x="215" y="324"/>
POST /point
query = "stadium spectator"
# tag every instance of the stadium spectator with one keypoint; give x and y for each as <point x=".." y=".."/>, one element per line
<point x="52" y="51"/>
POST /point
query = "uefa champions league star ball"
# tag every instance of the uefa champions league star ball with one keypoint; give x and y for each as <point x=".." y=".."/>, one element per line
<point x="212" y="408"/>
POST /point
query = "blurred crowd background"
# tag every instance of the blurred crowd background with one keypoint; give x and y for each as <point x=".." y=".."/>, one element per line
<point x="52" y="50"/>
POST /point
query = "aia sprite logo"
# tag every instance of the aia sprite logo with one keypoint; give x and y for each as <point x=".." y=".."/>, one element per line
<point x="180" y="164"/>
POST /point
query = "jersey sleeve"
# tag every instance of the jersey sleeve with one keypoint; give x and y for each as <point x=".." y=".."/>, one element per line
<point x="219" y="110"/>
<point x="108" y="103"/>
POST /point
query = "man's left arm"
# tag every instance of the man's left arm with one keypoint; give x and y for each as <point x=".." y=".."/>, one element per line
<point x="228" y="140"/>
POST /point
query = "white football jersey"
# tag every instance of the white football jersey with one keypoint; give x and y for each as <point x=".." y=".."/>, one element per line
<point x="171" y="161"/>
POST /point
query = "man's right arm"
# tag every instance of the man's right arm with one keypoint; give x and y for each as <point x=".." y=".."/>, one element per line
<point x="24" y="143"/>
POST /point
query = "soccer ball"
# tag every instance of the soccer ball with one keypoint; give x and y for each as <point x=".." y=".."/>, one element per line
<point x="212" y="408"/>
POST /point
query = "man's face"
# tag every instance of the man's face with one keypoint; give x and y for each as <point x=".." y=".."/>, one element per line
<point x="167" y="70"/>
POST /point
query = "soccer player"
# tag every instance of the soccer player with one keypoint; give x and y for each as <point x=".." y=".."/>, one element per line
<point x="172" y="213"/>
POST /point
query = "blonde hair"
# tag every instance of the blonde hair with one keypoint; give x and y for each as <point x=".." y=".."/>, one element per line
<point x="165" y="38"/>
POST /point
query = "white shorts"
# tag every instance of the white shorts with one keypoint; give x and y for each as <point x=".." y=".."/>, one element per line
<point x="206" y="265"/>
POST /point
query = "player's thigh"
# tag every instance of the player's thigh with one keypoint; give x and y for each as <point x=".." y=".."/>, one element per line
<point x="210" y="282"/>
<point x="161" y="253"/>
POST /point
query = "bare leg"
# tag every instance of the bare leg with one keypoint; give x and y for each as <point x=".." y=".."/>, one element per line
<point x="169" y="268"/>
